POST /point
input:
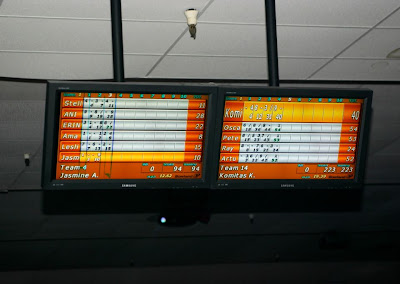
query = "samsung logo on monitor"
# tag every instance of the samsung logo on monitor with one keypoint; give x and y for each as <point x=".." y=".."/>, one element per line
<point x="128" y="185"/>
<point x="287" y="185"/>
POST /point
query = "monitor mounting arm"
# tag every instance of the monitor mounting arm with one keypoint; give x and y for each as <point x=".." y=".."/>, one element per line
<point x="272" y="46"/>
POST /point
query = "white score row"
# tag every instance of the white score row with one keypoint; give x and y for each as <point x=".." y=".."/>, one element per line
<point x="136" y="103"/>
<point x="285" y="137"/>
<point x="285" y="127"/>
<point x="123" y="146"/>
<point x="133" y="114"/>
<point x="88" y="124"/>
<point x="132" y="135"/>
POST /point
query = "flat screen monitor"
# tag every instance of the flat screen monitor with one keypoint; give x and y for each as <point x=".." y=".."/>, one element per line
<point x="122" y="135"/>
<point x="292" y="138"/>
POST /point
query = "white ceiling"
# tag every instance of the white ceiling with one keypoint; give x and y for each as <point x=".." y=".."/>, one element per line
<point x="317" y="39"/>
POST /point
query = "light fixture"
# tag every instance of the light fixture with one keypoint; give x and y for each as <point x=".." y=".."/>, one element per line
<point x="191" y="17"/>
<point x="395" y="54"/>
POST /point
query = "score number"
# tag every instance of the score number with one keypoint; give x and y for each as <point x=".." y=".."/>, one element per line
<point x="269" y="114"/>
<point x="347" y="170"/>
<point x="343" y="170"/>
<point x="355" y="115"/>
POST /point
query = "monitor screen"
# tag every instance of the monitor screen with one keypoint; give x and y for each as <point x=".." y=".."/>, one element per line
<point x="292" y="137"/>
<point x="121" y="134"/>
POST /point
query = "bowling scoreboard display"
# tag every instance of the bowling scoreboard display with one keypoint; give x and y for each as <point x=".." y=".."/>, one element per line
<point x="120" y="135"/>
<point x="292" y="137"/>
<point x="128" y="135"/>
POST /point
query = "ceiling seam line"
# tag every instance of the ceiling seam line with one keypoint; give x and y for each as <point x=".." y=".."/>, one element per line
<point x="366" y="58"/>
<point x="54" y="52"/>
<point x="388" y="28"/>
<point x="159" y="54"/>
<point x="174" y="21"/>
<point x="176" y="41"/>
<point x="152" y="21"/>
<point x="352" y="43"/>
<point x="245" y="56"/>
<point x="285" y="25"/>
<point x="203" y="22"/>
<point x="74" y="52"/>
<point x="54" y="18"/>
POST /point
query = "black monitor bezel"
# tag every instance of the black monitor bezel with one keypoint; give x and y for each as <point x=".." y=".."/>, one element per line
<point x="291" y="184"/>
<point x="54" y="88"/>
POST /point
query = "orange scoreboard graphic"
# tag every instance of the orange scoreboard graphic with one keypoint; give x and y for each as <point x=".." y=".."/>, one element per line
<point x="289" y="138"/>
<point x="130" y="136"/>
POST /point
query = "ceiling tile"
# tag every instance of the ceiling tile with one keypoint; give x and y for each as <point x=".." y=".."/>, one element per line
<point x="315" y="41"/>
<point x="12" y="110"/>
<point x="385" y="104"/>
<point x="392" y="21"/>
<point x="155" y="10"/>
<point x="360" y="69"/>
<point x="305" y="12"/>
<point x="11" y="148"/>
<point x="232" y="67"/>
<point x="225" y="11"/>
<point x="332" y="85"/>
<point x="57" y="8"/>
<point x="211" y="67"/>
<point x="10" y="90"/>
<point x="28" y="180"/>
<point x="224" y="40"/>
<point x="336" y="13"/>
<point x="385" y="111"/>
<point x="138" y="66"/>
<point x="376" y="44"/>
<point x="150" y="37"/>
<point x="249" y="40"/>
<point x="56" y="66"/>
<point x="298" y="68"/>
<point x="55" y="35"/>
<point x="21" y="131"/>
<point x="6" y="179"/>
<point x="12" y="164"/>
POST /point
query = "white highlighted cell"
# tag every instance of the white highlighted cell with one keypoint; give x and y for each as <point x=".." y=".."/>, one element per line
<point x="121" y="103"/>
<point x="290" y="127"/>
<point x="133" y="136"/>
<point x="285" y="158"/>
<point x="134" y="114"/>
<point x="289" y="137"/>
